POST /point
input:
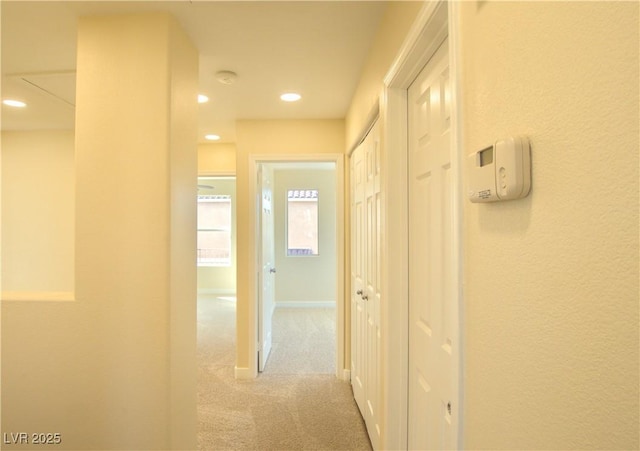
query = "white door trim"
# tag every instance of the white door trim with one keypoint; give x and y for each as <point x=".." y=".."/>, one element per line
<point x="435" y="22"/>
<point x="254" y="241"/>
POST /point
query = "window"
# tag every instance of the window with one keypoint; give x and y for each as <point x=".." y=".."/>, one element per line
<point x="302" y="222"/>
<point x="214" y="230"/>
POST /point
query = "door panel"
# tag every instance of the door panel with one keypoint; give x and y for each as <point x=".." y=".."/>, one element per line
<point x="372" y="297"/>
<point x="365" y="297"/>
<point x="432" y="305"/>
<point x="267" y="265"/>
<point x="358" y="313"/>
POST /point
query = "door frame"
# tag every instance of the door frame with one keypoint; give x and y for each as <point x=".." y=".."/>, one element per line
<point x="434" y="23"/>
<point x="254" y="242"/>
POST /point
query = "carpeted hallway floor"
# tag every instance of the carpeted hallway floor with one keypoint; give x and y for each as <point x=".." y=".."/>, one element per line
<point x="296" y="404"/>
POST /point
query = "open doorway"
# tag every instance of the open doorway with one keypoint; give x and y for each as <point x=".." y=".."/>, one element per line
<point x="216" y="278"/>
<point x="216" y="236"/>
<point x="301" y="326"/>
<point x="306" y="320"/>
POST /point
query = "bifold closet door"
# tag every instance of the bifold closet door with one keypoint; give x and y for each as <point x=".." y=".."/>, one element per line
<point x="365" y="296"/>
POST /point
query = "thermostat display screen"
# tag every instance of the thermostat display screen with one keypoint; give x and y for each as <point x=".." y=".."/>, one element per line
<point x="486" y="156"/>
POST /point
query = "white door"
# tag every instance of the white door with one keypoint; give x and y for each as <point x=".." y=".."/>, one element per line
<point x="433" y="311"/>
<point x="365" y="281"/>
<point x="358" y="313"/>
<point x="372" y="284"/>
<point x="267" y="268"/>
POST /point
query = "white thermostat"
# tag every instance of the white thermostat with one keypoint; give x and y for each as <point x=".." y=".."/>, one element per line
<point x="501" y="171"/>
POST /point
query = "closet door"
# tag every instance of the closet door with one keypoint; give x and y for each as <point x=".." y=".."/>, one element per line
<point x="358" y="312"/>
<point x="365" y="295"/>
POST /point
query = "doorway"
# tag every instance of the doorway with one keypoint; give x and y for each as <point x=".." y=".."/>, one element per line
<point x="303" y="275"/>
<point x="216" y="236"/>
<point x="297" y="261"/>
<point x="424" y="394"/>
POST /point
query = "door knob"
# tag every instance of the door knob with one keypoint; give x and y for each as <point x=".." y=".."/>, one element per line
<point x="272" y="270"/>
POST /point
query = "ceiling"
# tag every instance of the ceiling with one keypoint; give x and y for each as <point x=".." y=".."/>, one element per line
<point x="316" y="48"/>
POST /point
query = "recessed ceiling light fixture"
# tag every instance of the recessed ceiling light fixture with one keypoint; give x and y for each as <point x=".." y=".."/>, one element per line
<point x="212" y="137"/>
<point x="14" y="103"/>
<point x="202" y="98"/>
<point x="290" y="97"/>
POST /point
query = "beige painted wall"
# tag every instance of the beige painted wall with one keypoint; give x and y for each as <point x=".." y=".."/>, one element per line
<point x="216" y="159"/>
<point x="306" y="278"/>
<point x="394" y="25"/>
<point x="551" y="281"/>
<point x="221" y="279"/>
<point x="270" y="137"/>
<point x="116" y="368"/>
<point x="38" y="190"/>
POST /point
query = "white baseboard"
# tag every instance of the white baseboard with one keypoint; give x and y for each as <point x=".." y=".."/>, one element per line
<point x="216" y="292"/>
<point x="243" y="373"/>
<point x="305" y="304"/>
<point x="346" y="375"/>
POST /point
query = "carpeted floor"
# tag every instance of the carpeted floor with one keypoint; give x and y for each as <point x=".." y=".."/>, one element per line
<point x="296" y="404"/>
<point x="304" y="342"/>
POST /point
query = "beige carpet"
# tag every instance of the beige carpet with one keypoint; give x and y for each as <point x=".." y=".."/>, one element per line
<point x="296" y="404"/>
<point x="304" y="342"/>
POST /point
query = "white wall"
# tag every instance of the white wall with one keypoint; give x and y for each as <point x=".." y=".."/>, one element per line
<point x="38" y="196"/>
<point x="306" y="278"/>
<point x="221" y="279"/>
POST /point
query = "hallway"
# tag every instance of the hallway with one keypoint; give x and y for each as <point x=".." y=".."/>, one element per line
<point x="297" y="403"/>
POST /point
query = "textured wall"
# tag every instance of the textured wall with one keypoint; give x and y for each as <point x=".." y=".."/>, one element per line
<point x="551" y="281"/>
<point x="38" y="211"/>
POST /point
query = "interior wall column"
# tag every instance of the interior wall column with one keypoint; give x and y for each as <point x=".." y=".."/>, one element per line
<point x="136" y="176"/>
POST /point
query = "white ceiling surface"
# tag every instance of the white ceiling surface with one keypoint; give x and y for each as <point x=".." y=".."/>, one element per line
<point x="315" y="48"/>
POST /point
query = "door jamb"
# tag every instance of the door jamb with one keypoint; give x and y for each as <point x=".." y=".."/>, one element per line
<point x="435" y="22"/>
<point x="254" y="240"/>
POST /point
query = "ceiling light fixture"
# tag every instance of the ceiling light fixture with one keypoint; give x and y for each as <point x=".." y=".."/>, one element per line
<point x="226" y="77"/>
<point x="202" y="98"/>
<point x="14" y="103"/>
<point x="290" y="97"/>
<point x="212" y="137"/>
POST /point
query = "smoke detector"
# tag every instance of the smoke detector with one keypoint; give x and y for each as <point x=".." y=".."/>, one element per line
<point x="226" y="77"/>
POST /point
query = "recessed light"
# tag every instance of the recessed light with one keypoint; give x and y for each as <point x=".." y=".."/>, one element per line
<point x="212" y="137"/>
<point x="202" y="98"/>
<point x="290" y="97"/>
<point x="14" y="103"/>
